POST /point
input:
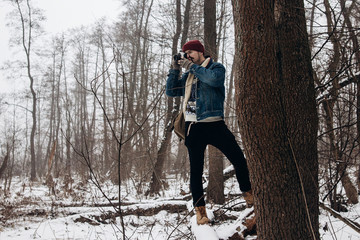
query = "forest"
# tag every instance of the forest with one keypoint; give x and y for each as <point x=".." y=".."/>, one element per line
<point x="87" y="134"/>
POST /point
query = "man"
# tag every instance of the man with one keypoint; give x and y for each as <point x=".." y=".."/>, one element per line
<point x="204" y="120"/>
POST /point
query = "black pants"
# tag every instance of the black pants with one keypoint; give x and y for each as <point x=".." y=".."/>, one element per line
<point x="217" y="134"/>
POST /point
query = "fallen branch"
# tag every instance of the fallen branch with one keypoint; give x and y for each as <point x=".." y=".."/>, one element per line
<point x="348" y="222"/>
<point x="137" y="210"/>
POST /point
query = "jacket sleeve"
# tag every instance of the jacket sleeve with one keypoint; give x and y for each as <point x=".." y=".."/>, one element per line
<point x="175" y="86"/>
<point x="213" y="76"/>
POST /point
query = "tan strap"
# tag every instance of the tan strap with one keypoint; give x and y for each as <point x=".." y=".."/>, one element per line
<point x="188" y="84"/>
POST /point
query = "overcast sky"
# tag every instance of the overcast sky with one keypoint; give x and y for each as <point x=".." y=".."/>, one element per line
<point x="61" y="15"/>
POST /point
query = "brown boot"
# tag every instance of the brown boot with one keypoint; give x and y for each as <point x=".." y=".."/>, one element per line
<point x="249" y="198"/>
<point x="201" y="217"/>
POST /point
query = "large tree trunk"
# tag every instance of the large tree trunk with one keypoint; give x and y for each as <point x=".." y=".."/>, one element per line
<point x="215" y="190"/>
<point x="210" y="29"/>
<point x="277" y="116"/>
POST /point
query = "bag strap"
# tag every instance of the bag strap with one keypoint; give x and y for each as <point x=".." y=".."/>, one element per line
<point x="188" y="84"/>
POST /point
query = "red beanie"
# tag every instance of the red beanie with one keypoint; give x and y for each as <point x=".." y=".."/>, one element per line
<point x="193" y="45"/>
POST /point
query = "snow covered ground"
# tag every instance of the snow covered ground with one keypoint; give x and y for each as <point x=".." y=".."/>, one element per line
<point x="30" y="212"/>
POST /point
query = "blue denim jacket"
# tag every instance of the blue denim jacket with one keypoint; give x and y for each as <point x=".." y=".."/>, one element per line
<point x="210" y="88"/>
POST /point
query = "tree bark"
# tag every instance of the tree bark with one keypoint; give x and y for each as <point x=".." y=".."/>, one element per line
<point x="277" y="116"/>
<point x="210" y="29"/>
<point x="215" y="190"/>
<point x="4" y="164"/>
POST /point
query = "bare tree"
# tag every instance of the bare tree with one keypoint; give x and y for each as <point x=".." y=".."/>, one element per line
<point x="336" y="144"/>
<point x="210" y="36"/>
<point x="54" y="77"/>
<point x="29" y="19"/>
<point x="346" y="11"/>
<point x="215" y="190"/>
<point x="157" y="174"/>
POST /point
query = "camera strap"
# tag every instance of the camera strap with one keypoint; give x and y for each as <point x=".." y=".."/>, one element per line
<point x="188" y="84"/>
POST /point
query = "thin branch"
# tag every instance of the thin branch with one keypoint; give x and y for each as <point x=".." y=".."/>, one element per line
<point x="355" y="226"/>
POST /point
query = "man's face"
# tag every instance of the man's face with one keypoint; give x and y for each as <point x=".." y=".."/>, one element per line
<point x="194" y="56"/>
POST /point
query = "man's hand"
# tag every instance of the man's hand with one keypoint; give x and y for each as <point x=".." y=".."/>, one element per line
<point x="186" y="63"/>
<point x="175" y="65"/>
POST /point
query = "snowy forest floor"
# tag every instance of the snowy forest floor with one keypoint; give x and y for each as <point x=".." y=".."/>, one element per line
<point x="29" y="211"/>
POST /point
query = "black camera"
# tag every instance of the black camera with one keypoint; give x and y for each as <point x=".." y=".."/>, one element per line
<point x="180" y="55"/>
